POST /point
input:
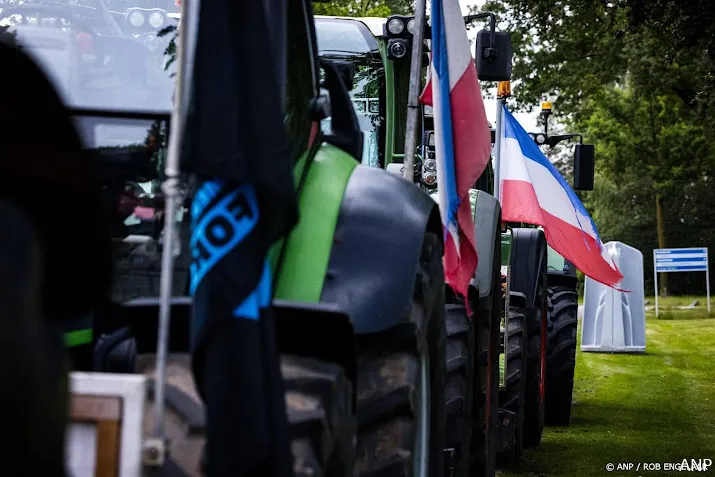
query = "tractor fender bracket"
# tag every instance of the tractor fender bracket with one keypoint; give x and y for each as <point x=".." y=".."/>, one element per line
<point x="528" y="260"/>
<point x="487" y="222"/>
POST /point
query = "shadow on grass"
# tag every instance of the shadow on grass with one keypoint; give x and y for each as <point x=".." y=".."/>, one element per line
<point x="602" y="434"/>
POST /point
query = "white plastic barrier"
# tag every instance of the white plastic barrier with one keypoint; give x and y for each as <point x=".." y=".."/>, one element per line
<point x="614" y="321"/>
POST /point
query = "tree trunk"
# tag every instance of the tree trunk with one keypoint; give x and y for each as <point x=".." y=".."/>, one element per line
<point x="660" y="226"/>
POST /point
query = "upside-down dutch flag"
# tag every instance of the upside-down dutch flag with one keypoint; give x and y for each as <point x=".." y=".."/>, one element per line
<point x="533" y="191"/>
<point x="462" y="137"/>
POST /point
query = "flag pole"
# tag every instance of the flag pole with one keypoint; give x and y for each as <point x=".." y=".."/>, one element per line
<point x="170" y="187"/>
<point x="497" y="147"/>
<point x="503" y="92"/>
<point x="413" y="100"/>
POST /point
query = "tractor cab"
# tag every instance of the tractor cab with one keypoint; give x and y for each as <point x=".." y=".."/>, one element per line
<point x="348" y="314"/>
<point x="108" y="62"/>
<point x="98" y="57"/>
<point x="351" y="40"/>
<point x="379" y="49"/>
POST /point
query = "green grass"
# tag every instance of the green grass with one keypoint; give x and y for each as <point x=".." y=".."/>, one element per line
<point x="673" y="301"/>
<point x="655" y="407"/>
<point x="670" y="301"/>
<point x="668" y="307"/>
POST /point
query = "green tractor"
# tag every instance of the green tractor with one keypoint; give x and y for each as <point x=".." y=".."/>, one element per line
<point x="563" y="289"/>
<point x="379" y="49"/>
<point x="359" y="316"/>
<point x="562" y="286"/>
<point x="522" y="275"/>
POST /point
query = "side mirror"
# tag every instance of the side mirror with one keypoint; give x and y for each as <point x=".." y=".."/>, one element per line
<point x="493" y="55"/>
<point x="346" y="133"/>
<point x="346" y="71"/>
<point x="583" y="167"/>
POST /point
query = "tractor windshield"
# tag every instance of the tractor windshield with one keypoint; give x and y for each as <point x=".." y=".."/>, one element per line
<point x="108" y="62"/>
<point x="100" y="54"/>
<point x="351" y="40"/>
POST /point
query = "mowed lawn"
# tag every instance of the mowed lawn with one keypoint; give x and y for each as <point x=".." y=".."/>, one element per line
<point x="655" y="407"/>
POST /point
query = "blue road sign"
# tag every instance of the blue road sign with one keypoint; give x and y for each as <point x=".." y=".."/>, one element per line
<point x="681" y="260"/>
<point x="669" y="260"/>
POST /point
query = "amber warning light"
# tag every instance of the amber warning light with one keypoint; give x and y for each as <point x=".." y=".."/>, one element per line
<point x="504" y="89"/>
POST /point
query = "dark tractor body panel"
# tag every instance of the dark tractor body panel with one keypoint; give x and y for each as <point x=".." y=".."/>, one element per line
<point x="300" y="329"/>
<point x="370" y="274"/>
<point x="563" y="278"/>
<point x="528" y="251"/>
<point x="487" y="220"/>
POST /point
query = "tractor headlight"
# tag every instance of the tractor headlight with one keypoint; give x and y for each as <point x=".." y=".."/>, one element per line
<point x="429" y="178"/>
<point x="151" y="42"/>
<point x="430" y="165"/>
<point x="156" y="20"/>
<point x="395" y="26"/>
<point x="397" y="48"/>
<point x="412" y="26"/>
<point x="136" y="18"/>
<point x="430" y="140"/>
<point x="540" y="139"/>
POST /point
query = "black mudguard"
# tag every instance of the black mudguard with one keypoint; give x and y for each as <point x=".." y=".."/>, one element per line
<point x="487" y="220"/>
<point x="528" y="254"/>
<point x="301" y="329"/>
<point x="378" y="241"/>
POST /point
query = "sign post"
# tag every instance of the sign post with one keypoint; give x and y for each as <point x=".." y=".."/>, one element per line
<point x="670" y="260"/>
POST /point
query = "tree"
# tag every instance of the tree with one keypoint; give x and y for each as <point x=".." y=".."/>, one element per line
<point x="6" y="36"/>
<point x="685" y="29"/>
<point x="616" y="77"/>
<point x="364" y="8"/>
<point x="649" y="154"/>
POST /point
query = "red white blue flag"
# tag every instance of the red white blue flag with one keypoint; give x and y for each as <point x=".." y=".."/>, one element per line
<point x="462" y="137"/>
<point x="533" y="191"/>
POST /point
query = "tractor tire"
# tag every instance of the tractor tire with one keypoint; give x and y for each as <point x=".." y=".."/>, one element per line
<point x="460" y="388"/>
<point x="318" y="403"/>
<point x="561" y="354"/>
<point x="536" y="331"/>
<point x="513" y="396"/>
<point x="486" y="378"/>
<point x="401" y="383"/>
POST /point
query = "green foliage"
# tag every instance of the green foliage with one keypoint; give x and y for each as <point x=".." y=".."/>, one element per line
<point x="685" y="30"/>
<point x="8" y="37"/>
<point x="364" y="8"/>
<point x="635" y="77"/>
<point x="170" y="50"/>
